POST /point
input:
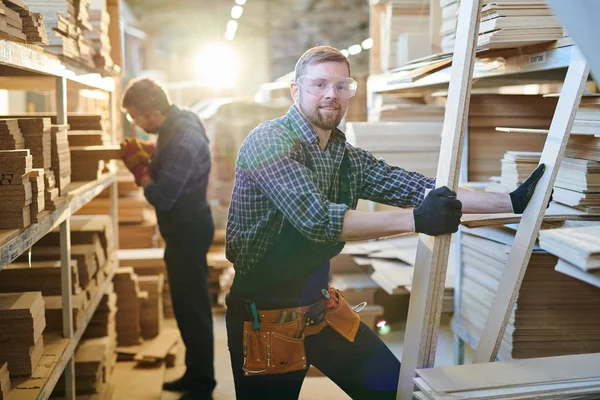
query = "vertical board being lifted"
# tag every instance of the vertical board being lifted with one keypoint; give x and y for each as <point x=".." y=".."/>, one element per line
<point x="554" y="150"/>
<point x="432" y="252"/>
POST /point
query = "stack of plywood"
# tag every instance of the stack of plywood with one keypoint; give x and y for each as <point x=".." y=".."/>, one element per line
<point x="129" y="299"/>
<point x="151" y="318"/>
<point x="44" y="276"/>
<point x="54" y="311"/>
<point x="88" y="122"/>
<point x="15" y="189"/>
<point x="90" y="162"/>
<point x="52" y="200"/>
<point x="516" y="168"/>
<point x="88" y="138"/>
<point x="11" y="24"/>
<point x="449" y="22"/>
<point x="103" y="322"/>
<point x="587" y="119"/>
<point x="516" y="23"/>
<point x="4" y="381"/>
<point x="38" y="195"/>
<point x="22" y="323"/>
<point x="61" y="157"/>
<point x="566" y="377"/>
<point x="400" y="111"/>
<point x="100" y="21"/>
<point x="11" y="137"/>
<point x="554" y="313"/>
<point x="578" y="251"/>
<point x="36" y="132"/>
<point x="29" y="23"/>
<point x="487" y="146"/>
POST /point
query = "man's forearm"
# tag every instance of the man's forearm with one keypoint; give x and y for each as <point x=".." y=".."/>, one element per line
<point x="476" y="202"/>
<point x="360" y="225"/>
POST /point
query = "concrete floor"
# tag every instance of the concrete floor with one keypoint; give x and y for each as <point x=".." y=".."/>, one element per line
<point x="314" y="388"/>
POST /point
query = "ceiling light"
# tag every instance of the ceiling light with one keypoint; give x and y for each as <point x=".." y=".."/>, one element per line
<point x="229" y="35"/>
<point x="345" y="52"/>
<point x="236" y="12"/>
<point x="367" y="43"/>
<point x="354" y="49"/>
<point x="232" y="25"/>
<point x="240" y="2"/>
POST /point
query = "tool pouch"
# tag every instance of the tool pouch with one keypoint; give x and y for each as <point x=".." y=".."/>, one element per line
<point x="273" y="349"/>
<point x="343" y="319"/>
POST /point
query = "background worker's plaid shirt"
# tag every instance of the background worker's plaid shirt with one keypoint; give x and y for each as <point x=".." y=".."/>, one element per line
<point x="282" y="172"/>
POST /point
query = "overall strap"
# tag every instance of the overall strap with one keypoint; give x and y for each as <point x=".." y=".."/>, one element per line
<point x="344" y="196"/>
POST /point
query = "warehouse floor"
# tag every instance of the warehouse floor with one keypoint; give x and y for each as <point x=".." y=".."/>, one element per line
<point x="134" y="383"/>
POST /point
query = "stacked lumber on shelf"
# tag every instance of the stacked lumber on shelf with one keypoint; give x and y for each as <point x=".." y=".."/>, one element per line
<point x="517" y="23"/>
<point x="88" y="138"/>
<point x="104" y="322"/>
<point x="31" y="24"/>
<point x="566" y="377"/>
<point x="578" y="251"/>
<point x="54" y="310"/>
<point x="449" y="22"/>
<point x="11" y="137"/>
<point x="36" y="132"/>
<point x="408" y="32"/>
<point x="90" y="162"/>
<point x="587" y="118"/>
<point x="38" y="195"/>
<point x="61" y="157"/>
<point x="44" y="276"/>
<point x="11" y="24"/>
<point x="15" y="189"/>
<point x="554" y="313"/>
<point x="129" y="299"/>
<point x="22" y="323"/>
<point x="487" y="146"/>
<point x="100" y="21"/>
<point x="151" y="318"/>
<point x="4" y="381"/>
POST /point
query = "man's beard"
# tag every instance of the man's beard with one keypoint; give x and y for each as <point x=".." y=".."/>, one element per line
<point x="326" y="122"/>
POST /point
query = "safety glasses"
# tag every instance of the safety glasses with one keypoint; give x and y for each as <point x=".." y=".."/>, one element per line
<point x="320" y="85"/>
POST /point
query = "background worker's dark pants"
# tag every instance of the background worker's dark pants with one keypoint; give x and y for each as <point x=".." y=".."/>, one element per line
<point x="365" y="369"/>
<point x="185" y="256"/>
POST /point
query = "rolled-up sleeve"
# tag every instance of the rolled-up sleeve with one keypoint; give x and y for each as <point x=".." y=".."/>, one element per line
<point x="394" y="186"/>
<point x="274" y="164"/>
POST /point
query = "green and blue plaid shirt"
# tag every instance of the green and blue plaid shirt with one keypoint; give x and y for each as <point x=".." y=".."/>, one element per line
<point x="282" y="173"/>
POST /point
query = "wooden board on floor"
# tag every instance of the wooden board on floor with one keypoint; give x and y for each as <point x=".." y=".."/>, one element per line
<point x="531" y="221"/>
<point x="432" y="253"/>
<point x="158" y="348"/>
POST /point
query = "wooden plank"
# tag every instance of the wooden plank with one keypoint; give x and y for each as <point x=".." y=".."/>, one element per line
<point x="158" y="348"/>
<point x="432" y="253"/>
<point x="531" y="221"/>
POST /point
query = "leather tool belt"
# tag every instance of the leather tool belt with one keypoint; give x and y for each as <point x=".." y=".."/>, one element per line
<point x="278" y="347"/>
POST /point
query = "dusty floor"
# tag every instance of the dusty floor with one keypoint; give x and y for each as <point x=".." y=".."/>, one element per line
<point x="134" y="384"/>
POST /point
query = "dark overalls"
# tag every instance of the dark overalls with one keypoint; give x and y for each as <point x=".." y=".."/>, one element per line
<point x="188" y="231"/>
<point x="292" y="273"/>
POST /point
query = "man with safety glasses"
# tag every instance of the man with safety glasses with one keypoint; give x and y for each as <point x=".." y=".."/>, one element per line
<point x="175" y="182"/>
<point x="293" y="208"/>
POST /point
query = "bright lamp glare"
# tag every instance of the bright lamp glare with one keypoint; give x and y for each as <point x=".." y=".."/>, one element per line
<point x="240" y="2"/>
<point x="236" y="12"/>
<point x="217" y="65"/>
<point x="367" y="43"/>
<point x="354" y="49"/>
<point x="229" y="35"/>
<point x="345" y="52"/>
<point x="232" y="25"/>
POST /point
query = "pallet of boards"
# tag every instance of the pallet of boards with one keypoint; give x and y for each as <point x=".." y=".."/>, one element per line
<point x="88" y="163"/>
<point x="15" y="189"/>
<point x="565" y="377"/>
<point x="554" y="313"/>
<point x="510" y="23"/>
<point x="129" y="302"/>
<point x="22" y="323"/>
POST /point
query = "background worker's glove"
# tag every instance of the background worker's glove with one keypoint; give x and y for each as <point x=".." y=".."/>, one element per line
<point x="139" y="172"/>
<point x="439" y="213"/>
<point x="149" y="146"/>
<point x="521" y="196"/>
<point x="133" y="153"/>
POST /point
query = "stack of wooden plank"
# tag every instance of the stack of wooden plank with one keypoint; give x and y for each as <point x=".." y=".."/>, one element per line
<point x="516" y="23"/>
<point x="408" y="27"/>
<point x="4" y="381"/>
<point x="407" y="113"/>
<point x="38" y="195"/>
<point x="100" y="21"/>
<point x="449" y="22"/>
<point x="566" y="377"/>
<point x="516" y="168"/>
<point x="88" y="122"/>
<point x="61" y="157"/>
<point x="11" y="24"/>
<point x="44" y="276"/>
<point x="88" y="163"/>
<point x="151" y="318"/>
<point x="88" y="138"/>
<point x="15" y="189"/>
<point x="54" y="310"/>
<point x="554" y="313"/>
<point x="487" y="146"/>
<point x="587" y="118"/>
<point x="22" y="323"/>
<point x="36" y="132"/>
<point x="52" y="200"/>
<point x="11" y="137"/>
<point x="129" y="300"/>
<point x="32" y="24"/>
<point x="103" y="322"/>
<point x="578" y="251"/>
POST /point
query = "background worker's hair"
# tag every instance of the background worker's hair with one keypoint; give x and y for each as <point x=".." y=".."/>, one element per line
<point x="317" y="55"/>
<point x="146" y="95"/>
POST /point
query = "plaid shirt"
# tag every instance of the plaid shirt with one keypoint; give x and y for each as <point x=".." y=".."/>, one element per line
<point x="183" y="159"/>
<point x="282" y="173"/>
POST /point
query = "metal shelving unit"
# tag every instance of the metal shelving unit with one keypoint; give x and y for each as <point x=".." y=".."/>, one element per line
<point x="36" y="70"/>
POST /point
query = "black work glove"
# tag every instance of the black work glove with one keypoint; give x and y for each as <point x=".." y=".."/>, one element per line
<point x="523" y="194"/>
<point x="439" y="213"/>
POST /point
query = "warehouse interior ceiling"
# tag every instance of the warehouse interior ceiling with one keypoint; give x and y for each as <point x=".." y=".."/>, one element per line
<point x="288" y="26"/>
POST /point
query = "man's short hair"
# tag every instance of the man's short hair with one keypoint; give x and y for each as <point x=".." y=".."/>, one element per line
<point x="318" y="55"/>
<point x="146" y="95"/>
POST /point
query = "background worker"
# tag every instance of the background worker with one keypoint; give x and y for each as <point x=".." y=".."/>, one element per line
<point x="293" y="208"/>
<point x="175" y="183"/>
